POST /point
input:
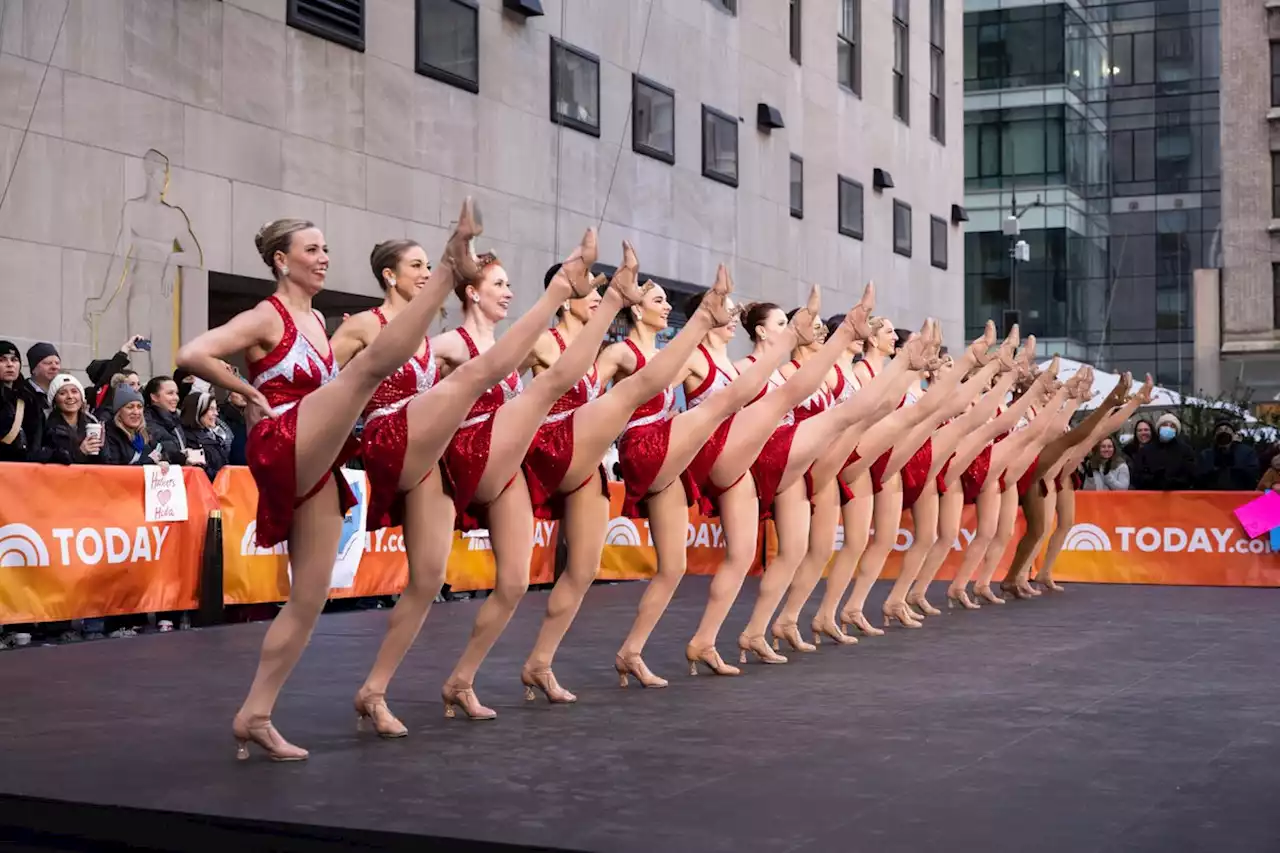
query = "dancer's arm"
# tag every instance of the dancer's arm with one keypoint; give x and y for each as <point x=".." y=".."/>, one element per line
<point x="355" y="333"/>
<point x="258" y="328"/>
<point x="615" y="362"/>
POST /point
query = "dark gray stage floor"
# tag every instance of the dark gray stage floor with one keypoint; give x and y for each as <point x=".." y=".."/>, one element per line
<point x="1107" y="719"/>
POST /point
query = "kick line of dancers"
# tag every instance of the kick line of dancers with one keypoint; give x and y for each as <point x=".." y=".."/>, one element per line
<point x="844" y="420"/>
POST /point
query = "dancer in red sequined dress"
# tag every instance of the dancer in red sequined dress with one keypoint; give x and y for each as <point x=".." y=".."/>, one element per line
<point x="409" y="422"/>
<point x="484" y="464"/>
<point x="720" y="471"/>
<point x="301" y="412"/>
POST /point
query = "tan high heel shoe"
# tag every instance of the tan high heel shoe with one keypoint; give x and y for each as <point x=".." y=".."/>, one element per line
<point x="961" y="601"/>
<point x="984" y="592"/>
<point x="459" y="252"/>
<point x="1049" y="584"/>
<point x="832" y="632"/>
<point x="260" y="731"/>
<point x="633" y="665"/>
<point x="758" y="647"/>
<point x="924" y="606"/>
<point x="900" y="613"/>
<point x="791" y="634"/>
<point x="709" y="658"/>
<point x="625" y="280"/>
<point x="459" y="695"/>
<point x="371" y="709"/>
<point x="545" y="680"/>
<point x="857" y="620"/>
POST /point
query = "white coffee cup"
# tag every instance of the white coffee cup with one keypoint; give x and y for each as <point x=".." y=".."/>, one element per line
<point x="94" y="431"/>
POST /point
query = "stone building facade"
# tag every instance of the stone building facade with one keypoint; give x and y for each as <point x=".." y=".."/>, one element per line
<point x="143" y="142"/>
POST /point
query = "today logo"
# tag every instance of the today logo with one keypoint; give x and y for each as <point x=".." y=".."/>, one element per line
<point x="1167" y="540"/>
<point x="22" y="546"/>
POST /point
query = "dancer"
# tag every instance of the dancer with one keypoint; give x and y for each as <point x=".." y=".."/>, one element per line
<point x="409" y="422"/>
<point x="301" y="413"/>
<point x="1056" y="474"/>
<point x="483" y="463"/>
<point x="720" y="471"/>
<point x="656" y="448"/>
<point x="573" y="440"/>
<point x="785" y="464"/>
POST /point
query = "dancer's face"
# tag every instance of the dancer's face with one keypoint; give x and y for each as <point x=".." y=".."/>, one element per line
<point x="653" y="309"/>
<point x="1106" y="448"/>
<point x="884" y="338"/>
<point x="583" y="309"/>
<point x="724" y="334"/>
<point x="412" y="272"/>
<point x="819" y="332"/>
<point x="307" y="260"/>
<point x="492" y="295"/>
<point x="857" y="347"/>
<point x="774" y="322"/>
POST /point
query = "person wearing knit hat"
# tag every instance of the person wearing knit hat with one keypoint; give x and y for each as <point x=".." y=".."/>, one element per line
<point x="67" y="435"/>
<point x="1167" y="463"/>
<point x="127" y="441"/>
<point x="61" y="381"/>
<point x="21" y="408"/>
<point x="44" y="363"/>
<point x="1229" y="464"/>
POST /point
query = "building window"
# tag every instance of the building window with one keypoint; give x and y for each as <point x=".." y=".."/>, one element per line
<point x="730" y="6"/>
<point x="797" y="186"/>
<point x="448" y="44"/>
<point x="575" y="88"/>
<point x="1275" y="74"/>
<point x="1023" y="46"/>
<point x="653" y="125"/>
<point x="849" y="45"/>
<point x="902" y="228"/>
<point x="794" y="30"/>
<point x="937" y="241"/>
<point x="719" y="146"/>
<point x="902" y="60"/>
<point x="340" y="21"/>
<point x="937" y="70"/>
<point x="1275" y="296"/>
<point x="1275" y="184"/>
<point x="850" y="199"/>
<point x="1027" y="143"/>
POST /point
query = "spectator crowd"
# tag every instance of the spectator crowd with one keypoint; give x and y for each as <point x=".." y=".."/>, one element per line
<point x="50" y="416"/>
<point x="1159" y="458"/>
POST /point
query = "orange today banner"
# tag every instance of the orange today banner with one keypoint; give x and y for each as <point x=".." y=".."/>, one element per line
<point x="75" y="543"/>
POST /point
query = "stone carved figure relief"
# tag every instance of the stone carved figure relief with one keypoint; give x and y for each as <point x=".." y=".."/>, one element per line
<point x="142" y="291"/>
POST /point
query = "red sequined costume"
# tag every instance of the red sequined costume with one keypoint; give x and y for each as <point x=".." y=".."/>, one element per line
<point x="697" y="477"/>
<point x="551" y="452"/>
<point x="291" y="371"/>
<point x="771" y="464"/>
<point x="385" y="439"/>
<point x="468" y="451"/>
<point x="844" y="389"/>
<point x="643" y="446"/>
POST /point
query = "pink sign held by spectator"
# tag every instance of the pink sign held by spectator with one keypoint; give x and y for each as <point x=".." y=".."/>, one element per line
<point x="1260" y="515"/>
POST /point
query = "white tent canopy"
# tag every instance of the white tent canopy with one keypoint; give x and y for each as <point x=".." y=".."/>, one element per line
<point x="1161" y="398"/>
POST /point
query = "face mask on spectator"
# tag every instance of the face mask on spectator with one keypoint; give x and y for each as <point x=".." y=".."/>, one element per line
<point x="1167" y="433"/>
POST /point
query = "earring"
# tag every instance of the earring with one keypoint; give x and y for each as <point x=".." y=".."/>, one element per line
<point x="284" y="270"/>
<point x="475" y="297"/>
<point x="391" y="281"/>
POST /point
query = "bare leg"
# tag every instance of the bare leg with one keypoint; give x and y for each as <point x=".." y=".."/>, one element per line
<point x="669" y="524"/>
<point x="511" y="533"/>
<point x="822" y="542"/>
<point x="428" y="538"/>
<point x="925" y="517"/>
<point x="313" y="544"/>
<point x="1033" y="509"/>
<point x="888" y="515"/>
<point x="1004" y="533"/>
<point x="856" y="516"/>
<point x="740" y="519"/>
<point x="791" y="518"/>
<point x="1066" y="520"/>
<point x="950" y="510"/>
<point x="586" y="518"/>
<point x="988" y="508"/>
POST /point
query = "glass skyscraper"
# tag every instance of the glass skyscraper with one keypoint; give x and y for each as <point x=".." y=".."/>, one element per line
<point x="1107" y="112"/>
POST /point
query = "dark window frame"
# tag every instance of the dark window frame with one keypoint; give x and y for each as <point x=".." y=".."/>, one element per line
<point x="729" y="7"/>
<point x="1275" y="296"/>
<point x="639" y="146"/>
<point x="570" y="121"/>
<point x="426" y="69"/>
<point x="708" y="171"/>
<point x="1275" y="73"/>
<point x="939" y="225"/>
<point x="902" y="75"/>
<point x="297" y="17"/>
<point x="847" y="229"/>
<point x="938" y="70"/>
<point x="898" y="247"/>
<point x="795" y="30"/>
<point x="853" y="38"/>
<point x="1275" y="184"/>
<point x="796" y="212"/>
